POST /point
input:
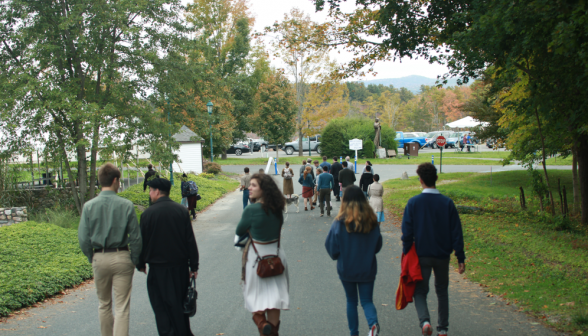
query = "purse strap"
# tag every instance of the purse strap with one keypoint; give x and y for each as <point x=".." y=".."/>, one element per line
<point x="255" y="249"/>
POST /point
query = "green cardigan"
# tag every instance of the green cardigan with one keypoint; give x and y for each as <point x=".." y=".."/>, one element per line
<point x="263" y="227"/>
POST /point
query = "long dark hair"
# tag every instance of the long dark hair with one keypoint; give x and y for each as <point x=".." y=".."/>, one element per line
<point x="356" y="212"/>
<point x="273" y="200"/>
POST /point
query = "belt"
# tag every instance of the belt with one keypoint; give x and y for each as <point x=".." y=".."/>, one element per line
<point x="106" y="250"/>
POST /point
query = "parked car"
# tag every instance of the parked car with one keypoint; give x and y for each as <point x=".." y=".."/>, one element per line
<point x="490" y="143"/>
<point x="257" y="144"/>
<point x="454" y="139"/>
<point x="315" y="145"/>
<point x="431" y="138"/>
<point x="402" y="138"/>
<point x="238" y="149"/>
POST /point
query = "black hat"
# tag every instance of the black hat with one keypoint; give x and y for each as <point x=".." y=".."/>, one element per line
<point x="161" y="184"/>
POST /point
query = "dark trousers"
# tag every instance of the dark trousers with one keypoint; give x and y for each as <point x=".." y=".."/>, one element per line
<point x="325" y="197"/>
<point x="167" y="286"/>
<point x="441" y="269"/>
<point x="245" y="197"/>
<point x="336" y="187"/>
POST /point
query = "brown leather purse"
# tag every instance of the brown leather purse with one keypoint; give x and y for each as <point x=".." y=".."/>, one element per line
<point x="269" y="265"/>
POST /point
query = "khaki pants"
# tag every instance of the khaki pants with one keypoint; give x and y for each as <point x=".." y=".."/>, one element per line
<point x="113" y="271"/>
<point x="314" y="198"/>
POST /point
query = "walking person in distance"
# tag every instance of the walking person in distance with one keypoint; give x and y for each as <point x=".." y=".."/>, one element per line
<point x="288" y="186"/>
<point x="432" y="224"/>
<point x="169" y="247"/>
<point x="150" y="174"/>
<point x="368" y="164"/>
<point x="354" y="240"/>
<point x="366" y="179"/>
<point x="190" y="191"/>
<point x="108" y="226"/>
<point x="245" y="186"/>
<point x="346" y="176"/>
<point x="324" y="185"/>
<point x="336" y="167"/>
<point x="264" y="297"/>
<point x="307" y="181"/>
<point x="375" y="193"/>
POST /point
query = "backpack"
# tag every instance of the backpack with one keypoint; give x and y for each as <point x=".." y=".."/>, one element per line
<point x="192" y="188"/>
<point x="287" y="174"/>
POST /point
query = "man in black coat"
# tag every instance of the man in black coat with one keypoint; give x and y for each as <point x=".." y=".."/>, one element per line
<point x="336" y="167"/>
<point x="169" y="247"/>
<point x="366" y="179"/>
<point x="149" y="174"/>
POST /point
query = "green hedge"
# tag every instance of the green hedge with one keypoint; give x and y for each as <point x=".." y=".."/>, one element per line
<point x="210" y="187"/>
<point x="336" y="135"/>
<point x="38" y="260"/>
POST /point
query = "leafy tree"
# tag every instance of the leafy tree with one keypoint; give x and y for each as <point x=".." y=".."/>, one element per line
<point x="300" y="44"/>
<point x="325" y="101"/>
<point x="276" y="108"/>
<point x="357" y="91"/>
<point x="335" y="138"/>
<point x="76" y="71"/>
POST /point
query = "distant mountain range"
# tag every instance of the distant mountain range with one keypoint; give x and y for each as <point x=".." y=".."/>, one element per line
<point x="413" y="83"/>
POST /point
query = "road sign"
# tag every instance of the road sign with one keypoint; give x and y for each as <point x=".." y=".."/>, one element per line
<point x="441" y="141"/>
<point x="356" y="144"/>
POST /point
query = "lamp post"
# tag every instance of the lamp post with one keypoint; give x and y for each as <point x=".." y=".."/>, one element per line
<point x="171" y="163"/>
<point x="209" y="107"/>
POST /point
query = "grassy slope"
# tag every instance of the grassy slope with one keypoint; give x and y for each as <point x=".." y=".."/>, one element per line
<point x="515" y="254"/>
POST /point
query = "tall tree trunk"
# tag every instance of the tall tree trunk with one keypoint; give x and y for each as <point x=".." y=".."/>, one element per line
<point x="72" y="182"/>
<point x="224" y="154"/>
<point x="82" y="164"/>
<point x="93" y="157"/>
<point x="300" y="149"/>
<point x="583" y="175"/>
<point x="575" y="182"/>
<point x="543" y="161"/>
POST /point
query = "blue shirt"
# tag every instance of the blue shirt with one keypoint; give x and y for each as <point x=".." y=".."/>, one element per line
<point x="324" y="181"/>
<point x="432" y="223"/>
<point x="355" y="252"/>
<point x="326" y="167"/>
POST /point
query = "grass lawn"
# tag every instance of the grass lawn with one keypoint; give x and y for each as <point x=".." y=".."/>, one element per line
<point x="531" y="260"/>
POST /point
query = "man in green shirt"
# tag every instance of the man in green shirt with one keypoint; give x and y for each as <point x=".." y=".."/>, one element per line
<point x="108" y="226"/>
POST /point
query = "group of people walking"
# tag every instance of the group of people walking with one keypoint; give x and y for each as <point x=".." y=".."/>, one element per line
<point x="114" y="243"/>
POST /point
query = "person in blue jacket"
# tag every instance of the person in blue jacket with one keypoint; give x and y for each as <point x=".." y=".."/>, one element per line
<point x="353" y="242"/>
<point x="307" y="181"/>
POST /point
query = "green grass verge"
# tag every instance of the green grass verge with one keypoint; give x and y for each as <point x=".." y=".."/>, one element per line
<point x="210" y="187"/>
<point x="38" y="260"/>
<point x="528" y="258"/>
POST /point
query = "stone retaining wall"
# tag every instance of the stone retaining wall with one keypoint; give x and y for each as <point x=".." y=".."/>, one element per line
<point x="9" y="216"/>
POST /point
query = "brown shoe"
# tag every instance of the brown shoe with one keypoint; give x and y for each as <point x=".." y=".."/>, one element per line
<point x="305" y="209"/>
<point x="265" y="328"/>
<point x="311" y="208"/>
<point x="275" y="329"/>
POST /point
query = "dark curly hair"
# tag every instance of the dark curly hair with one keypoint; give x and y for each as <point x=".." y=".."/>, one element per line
<point x="273" y="200"/>
<point x="428" y="173"/>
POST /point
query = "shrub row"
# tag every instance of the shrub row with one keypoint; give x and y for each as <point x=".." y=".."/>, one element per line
<point x="38" y="260"/>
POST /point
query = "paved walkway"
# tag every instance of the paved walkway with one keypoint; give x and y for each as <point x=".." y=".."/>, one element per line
<point x="316" y="295"/>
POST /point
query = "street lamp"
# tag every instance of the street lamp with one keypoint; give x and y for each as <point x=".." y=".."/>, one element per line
<point x="209" y="107"/>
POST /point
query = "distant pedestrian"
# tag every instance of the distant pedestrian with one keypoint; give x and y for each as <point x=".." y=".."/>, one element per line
<point x="316" y="167"/>
<point x="264" y="297"/>
<point x="366" y="179"/>
<point x="336" y="167"/>
<point x="432" y="224"/>
<point x="349" y="165"/>
<point x="303" y="167"/>
<point x="288" y="175"/>
<point x="108" y="226"/>
<point x="309" y="164"/>
<point x="375" y="193"/>
<point x="190" y="192"/>
<point x="326" y="167"/>
<point x="169" y="247"/>
<point x="245" y="186"/>
<point x="368" y="164"/>
<point x="324" y="185"/>
<point x="354" y="240"/>
<point x="261" y="171"/>
<point x="307" y="182"/>
<point x="346" y="177"/>
<point x="150" y="174"/>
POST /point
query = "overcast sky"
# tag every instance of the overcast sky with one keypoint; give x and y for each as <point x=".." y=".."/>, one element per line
<point x="266" y="12"/>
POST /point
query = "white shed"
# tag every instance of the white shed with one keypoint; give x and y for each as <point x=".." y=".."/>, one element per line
<point x="190" y="151"/>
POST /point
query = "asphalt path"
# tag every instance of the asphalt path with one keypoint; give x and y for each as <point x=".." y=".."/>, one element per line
<point x="318" y="305"/>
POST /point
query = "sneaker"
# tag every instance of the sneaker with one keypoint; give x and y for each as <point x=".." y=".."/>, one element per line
<point x="442" y="333"/>
<point x="427" y="329"/>
<point x="374" y="330"/>
<point x="322" y="215"/>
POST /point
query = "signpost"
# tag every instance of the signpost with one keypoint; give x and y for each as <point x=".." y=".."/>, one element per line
<point x="441" y="144"/>
<point x="356" y="144"/>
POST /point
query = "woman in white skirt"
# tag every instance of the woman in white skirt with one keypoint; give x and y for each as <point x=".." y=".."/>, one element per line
<point x="263" y="219"/>
<point x="375" y="192"/>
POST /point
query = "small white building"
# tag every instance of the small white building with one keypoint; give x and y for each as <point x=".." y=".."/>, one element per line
<point x="190" y="152"/>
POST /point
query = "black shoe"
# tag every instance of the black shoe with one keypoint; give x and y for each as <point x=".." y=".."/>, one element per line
<point x="338" y="199"/>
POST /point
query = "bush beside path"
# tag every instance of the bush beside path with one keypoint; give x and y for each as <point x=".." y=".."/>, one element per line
<point x="530" y="260"/>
